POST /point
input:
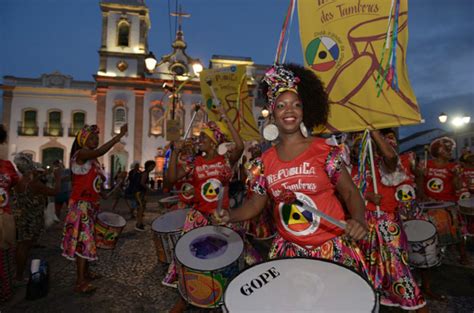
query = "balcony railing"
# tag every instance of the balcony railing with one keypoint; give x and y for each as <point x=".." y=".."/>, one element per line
<point x="53" y="130"/>
<point x="24" y="130"/>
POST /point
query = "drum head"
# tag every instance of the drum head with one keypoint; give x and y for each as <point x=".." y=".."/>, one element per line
<point x="169" y="222"/>
<point x="172" y="199"/>
<point x="436" y="204"/>
<point x="299" y="285"/>
<point x="209" y="248"/>
<point x="467" y="203"/>
<point x="112" y="219"/>
<point x="419" y="230"/>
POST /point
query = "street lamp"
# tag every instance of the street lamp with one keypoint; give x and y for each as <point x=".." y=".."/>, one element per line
<point x="265" y="113"/>
<point x="443" y="117"/>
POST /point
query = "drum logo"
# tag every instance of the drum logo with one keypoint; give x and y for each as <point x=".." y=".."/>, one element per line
<point x="435" y="185"/>
<point x="405" y="193"/>
<point x="187" y="191"/>
<point x="3" y="197"/>
<point x="210" y="190"/>
<point x="297" y="220"/>
<point x="97" y="184"/>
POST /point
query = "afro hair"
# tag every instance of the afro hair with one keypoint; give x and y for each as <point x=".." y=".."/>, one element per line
<point x="311" y="92"/>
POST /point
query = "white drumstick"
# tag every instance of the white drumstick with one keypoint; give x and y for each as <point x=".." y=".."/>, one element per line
<point x="330" y="219"/>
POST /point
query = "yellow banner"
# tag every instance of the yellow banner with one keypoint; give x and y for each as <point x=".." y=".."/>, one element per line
<point x="342" y="43"/>
<point x="230" y="86"/>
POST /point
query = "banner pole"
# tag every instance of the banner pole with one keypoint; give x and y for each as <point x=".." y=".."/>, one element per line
<point x="372" y="169"/>
<point x="196" y="109"/>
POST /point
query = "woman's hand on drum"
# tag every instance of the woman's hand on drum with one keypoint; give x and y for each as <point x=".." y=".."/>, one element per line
<point x="355" y="229"/>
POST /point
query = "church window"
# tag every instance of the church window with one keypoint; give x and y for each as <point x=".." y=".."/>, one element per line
<point x="157" y="114"/>
<point x="123" y="34"/>
<point x="78" y="121"/>
<point x="179" y="115"/>
<point x="54" y="127"/>
<point x="52" y="154"/>
<point x="29" y="126"/>
<point x="120" y="118"/>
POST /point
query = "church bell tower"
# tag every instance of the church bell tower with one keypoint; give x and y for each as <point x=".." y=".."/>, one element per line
<point x="124" y="43"/>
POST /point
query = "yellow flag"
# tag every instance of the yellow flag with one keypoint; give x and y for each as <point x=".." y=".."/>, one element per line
<point x="342" y="43"/>
<point x="230" y="86"/>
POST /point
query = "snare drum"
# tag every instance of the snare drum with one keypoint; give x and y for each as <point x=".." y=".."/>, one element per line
<point x="299" y="285"/>
<point x="422" y="239"/>
<point x="108" y="227"/>
<point x="207" y="258"/>
<point x="466" y="209"/>
<point x="168" y="202"/>
<point x="445" y="218"/>
<point x="166" y="232"/>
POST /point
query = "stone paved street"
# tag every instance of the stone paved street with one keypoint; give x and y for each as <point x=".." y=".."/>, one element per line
<point x="132" y="276"/>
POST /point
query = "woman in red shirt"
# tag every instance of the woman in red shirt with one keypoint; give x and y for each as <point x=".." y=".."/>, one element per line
<point x="8" y="179"/>
<point x="310" y="169"/>
<point x="386" y="245"/>
<point x="442" y="182"/>
<point x="87" y="177"/>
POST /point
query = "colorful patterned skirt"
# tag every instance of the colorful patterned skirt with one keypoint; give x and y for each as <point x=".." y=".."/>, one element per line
<point x="195" y="219"/>
<point x="7" y="269"/>
<point x="79" y="232"/>
<point x="386" y="253"/>
<point x="338" y="249"/>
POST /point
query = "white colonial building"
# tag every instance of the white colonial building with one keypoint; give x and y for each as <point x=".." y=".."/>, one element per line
<point x="43" y="114"/>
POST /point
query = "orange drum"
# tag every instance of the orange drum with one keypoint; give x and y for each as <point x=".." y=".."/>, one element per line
<point x="444" y="216"/>
<point x="108" y="227"/>
<point x="466" y="209"/>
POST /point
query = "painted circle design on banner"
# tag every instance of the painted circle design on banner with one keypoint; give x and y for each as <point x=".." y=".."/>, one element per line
<point x="435" y="185"/>
<point x="405" y="193"/>
<point x="187" y="191"/>
<point x="3" y="197"/>
<point x="297" y="220"/>
<point x="322" y="53"/>
<point x="210" y="104"/>
<point x="210" y="190"/>
<point x="97" y="183"/>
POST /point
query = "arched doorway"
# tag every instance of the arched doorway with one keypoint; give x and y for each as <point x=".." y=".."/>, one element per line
<point x="118" y="162"/>
<point x="49" y="155"/>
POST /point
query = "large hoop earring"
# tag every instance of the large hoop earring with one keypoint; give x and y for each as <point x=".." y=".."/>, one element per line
<point x="304" y="130"/>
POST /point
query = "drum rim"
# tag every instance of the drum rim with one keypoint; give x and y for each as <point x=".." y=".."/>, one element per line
<point x="429" y="238"/>
<point x="175" y="199"/>
<point x="216" y="269"/>
<point x="447" y="205"/>
<point x="116" y="226"/>
<point x="376" y="295"/>
<point x="186" y="211"/>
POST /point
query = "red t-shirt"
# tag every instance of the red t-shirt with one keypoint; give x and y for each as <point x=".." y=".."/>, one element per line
<point x="439" y="181"/>
<point x="87" y="180"/>
<point x="406" y="191"/>
<point x="8" y="178"/>
<point x="388" y="202"/>
<point x="209" y="177"/>
<point x="307" y="176"/>
<point x="468" y="177"/>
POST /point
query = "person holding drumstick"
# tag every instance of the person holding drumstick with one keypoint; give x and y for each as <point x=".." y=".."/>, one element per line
<point x="87" y="177"/>
<point x="210" y="175"/>
<point x="386" y="245"/>
<point x="441" y="182"/>
<point x="308" y="167"/>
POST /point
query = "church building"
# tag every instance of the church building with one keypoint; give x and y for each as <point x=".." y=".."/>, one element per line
<point x="42" y="115"/>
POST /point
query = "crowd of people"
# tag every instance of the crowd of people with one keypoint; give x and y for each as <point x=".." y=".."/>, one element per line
<point x="297" y="175"/>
